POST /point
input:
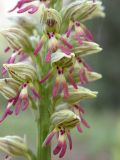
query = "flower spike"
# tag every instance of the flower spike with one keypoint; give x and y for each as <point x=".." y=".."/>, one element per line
<point x="47" y="71"/>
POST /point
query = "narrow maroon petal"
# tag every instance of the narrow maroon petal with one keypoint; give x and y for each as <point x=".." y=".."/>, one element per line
<point x="18" y="106"/>
<point x="35" y="92"/>
<point x="46" y="77"/>
<point x="84" y="122"/>
<point x="11" y="60"/>
<point x="63" y="151"/>
<point x="81" y="109"/>
<point x="26" y="103"/>
<point x="57" y="135"/>
<point x="87" y="66"/>
<point x="57" y="149"/>
<point x="69" y="30"/>
<point x="38" y="47"/>
<point x="65" y="49"/>
<point x="88" y="34"/>
<point x="3" y="71"/>
<point x="65" y="88"/>
<point x="72" y="81"/>
<point x="69" y="140"/>
<point x="84" y="77"/>
<point x="7" y="111"/>
<point x="79" y="128"/>
<point x="78" y="39"/>
<point x="20" y="4"/>
<point x="14" y="8"/>
<point x="31" y="9"/>
<point x="23" y="56"/>
<point x="48" y="56"/>
<point x="82" y="80"/>
<point x="15" y="99"/>
<point x="55" y="89"/>
<point x="7" y="49"/>
<point x="66" y="43"/>
<point x="60" y="88"/>
<point x="49" y="138"/>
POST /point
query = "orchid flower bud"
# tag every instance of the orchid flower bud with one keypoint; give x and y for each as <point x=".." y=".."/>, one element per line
<point x="9" y="87"/>
<point x="76" y="95"/>
<point x="14" y="146"/>
<point x="87" y="48"/>
<point x="21" y="72"/>
<point x="62" y="60"/>
<point x="52" y="20"/>
<point x="77" y="109"/>
<point x="62" y="121"/>
<point x="64" y="118"/>
<point x="16" y="38"/>
<point x="83" y="10"/>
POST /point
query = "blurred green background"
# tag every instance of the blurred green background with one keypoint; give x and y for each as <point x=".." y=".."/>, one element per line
<point x="102" y="140"/>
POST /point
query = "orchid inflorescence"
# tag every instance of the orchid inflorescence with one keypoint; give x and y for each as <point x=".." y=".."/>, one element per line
<point x="48" y="43"/>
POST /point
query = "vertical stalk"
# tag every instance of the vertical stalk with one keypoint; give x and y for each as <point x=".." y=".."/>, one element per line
<point x="43" y="123"/>
<point x="44" y="153"/>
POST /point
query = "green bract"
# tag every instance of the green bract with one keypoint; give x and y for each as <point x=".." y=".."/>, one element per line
<point x="9" y="87"/>
<point x="21" y="72"/>
<point x="64" y="118"/>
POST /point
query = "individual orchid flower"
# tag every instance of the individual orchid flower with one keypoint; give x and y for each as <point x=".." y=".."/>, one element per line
<point x="51" y="26"/>
<point x="83" y="73"/>
<point x="78" y="110"/>
<point x="81" y="32"/>
<point x="15" y="89"/>
<point x="9" y="88"/>
<point x="20" y="95"/>
<point x="55" y="42"/>
<point x="25" y="74"/>
<point x="78" y="12"/>
<point x="18" y="43"/>
<point x="62" y="130"/>
<point x="60" y="61"/>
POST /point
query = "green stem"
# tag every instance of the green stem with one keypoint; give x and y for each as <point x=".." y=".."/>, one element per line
<point x="31" y="156"/>
<point x="43" y="120"/>
<point x="44" y="153"/>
